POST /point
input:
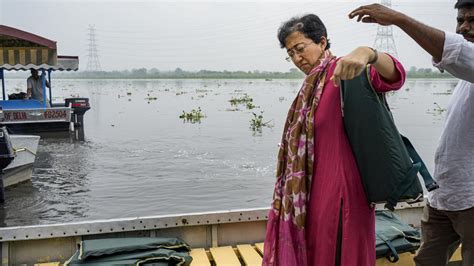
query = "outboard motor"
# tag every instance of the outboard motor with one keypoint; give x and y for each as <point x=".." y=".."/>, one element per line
<point x="7" y="154"/>
<point x="79" y="107"/>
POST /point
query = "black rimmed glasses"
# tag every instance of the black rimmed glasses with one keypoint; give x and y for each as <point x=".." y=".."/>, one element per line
<point x="296" y="50"/>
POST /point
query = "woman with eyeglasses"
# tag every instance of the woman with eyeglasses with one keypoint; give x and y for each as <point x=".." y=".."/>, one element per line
<point x="319" y="214"/>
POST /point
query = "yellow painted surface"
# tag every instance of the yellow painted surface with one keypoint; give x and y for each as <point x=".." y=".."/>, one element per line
<point x="44" y="56"/>
<point x="259" y="247"/>
<point x="33" y="56"/>
<point x="1" y="57"/>
<point x="249" y="255"/>
<point x="406" y="259"/>
<point x="22" y="56"/>
<point x="11" y="57"/>
<point x="225" y="256"/>
<point x="457" y="255"/>
<point x="199" y="257"/>
<point x="48" y="264"/>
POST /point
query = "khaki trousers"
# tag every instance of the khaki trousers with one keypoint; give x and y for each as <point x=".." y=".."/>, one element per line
<point x="442" y="232"/>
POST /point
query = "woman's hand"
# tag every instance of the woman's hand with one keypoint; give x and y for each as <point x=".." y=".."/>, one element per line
<point x="352" y="64"/>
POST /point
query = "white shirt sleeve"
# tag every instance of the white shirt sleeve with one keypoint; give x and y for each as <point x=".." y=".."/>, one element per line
<point x="29" y="83"/>
<point x="458" y="57"/>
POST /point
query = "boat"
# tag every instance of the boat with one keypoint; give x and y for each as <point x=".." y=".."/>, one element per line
<point x="21" y="51"/>
<point x="21" y="168"/>
<point x="17" y="156"/>
<point x="233" y="237"/>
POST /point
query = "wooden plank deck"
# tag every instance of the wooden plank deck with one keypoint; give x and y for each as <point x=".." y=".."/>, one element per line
<point x="225" y="256"/>
<point x="251" y="255"/>
<point x="200" y="257"/>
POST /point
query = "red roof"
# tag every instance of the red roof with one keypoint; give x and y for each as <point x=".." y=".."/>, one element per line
<point x="19" y="34"/>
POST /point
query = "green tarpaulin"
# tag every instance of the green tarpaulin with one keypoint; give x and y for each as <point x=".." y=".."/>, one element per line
<point x="132" y="251"/>
<point x="392" y="236"/>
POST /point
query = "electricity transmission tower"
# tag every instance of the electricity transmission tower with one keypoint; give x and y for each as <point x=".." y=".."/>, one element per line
<point x="93" y="63"/>
<point x="384" y="40"/>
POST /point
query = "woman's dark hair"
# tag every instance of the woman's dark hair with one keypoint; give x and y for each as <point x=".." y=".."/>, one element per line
<point x="310" y="25"/>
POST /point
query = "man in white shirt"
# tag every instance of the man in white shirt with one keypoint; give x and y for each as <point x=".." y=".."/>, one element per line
<point x="35" y="86"/>
<point x="448" y="217"/>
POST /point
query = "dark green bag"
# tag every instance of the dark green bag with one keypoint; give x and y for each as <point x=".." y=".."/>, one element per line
<point x="388" y="164"/>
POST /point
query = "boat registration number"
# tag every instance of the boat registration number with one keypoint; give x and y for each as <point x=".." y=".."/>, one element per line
<point x="55" y="114"/>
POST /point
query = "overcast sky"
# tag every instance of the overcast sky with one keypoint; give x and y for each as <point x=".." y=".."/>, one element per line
<point x="214" y="35"/>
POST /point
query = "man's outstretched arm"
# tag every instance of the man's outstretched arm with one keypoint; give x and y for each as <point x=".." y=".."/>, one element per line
<point x="429" y="38"/>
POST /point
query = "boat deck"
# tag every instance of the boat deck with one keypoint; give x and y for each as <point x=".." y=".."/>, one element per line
<point x="251" y="255"/>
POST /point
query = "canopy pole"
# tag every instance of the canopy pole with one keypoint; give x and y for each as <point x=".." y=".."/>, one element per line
<point x="43" y="84"/>
<point x="50" y="96"/>
<point x="3" y="83"/>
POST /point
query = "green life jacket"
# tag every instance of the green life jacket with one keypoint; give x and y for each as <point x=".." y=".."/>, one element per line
<point x="387" y="161"/>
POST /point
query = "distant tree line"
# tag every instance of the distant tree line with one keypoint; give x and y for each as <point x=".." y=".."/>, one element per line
<point x="178" y="73"/>
<point x="426" y="73"/>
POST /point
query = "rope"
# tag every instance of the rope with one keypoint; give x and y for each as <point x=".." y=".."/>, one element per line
<point x="23" y="149"/>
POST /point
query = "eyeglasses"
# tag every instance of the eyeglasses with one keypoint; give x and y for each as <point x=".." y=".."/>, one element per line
<point x="297" y="49"/>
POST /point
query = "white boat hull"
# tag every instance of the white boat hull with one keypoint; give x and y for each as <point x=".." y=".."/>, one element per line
<point x="21" y="168"/>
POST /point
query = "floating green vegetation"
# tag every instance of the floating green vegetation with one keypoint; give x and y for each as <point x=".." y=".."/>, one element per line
<point x="194" y="116"/>
<point x="202" y="90"/>
<point x="151" y="98"/>
<point x="180" y="93"/>
<point x="447" y="92"/>
<point x="438" y="109"/>
<point x="250" y="105"/>
<point x="245" y="100"/>
<point x="129" y="93"/>
<point x="256" y="122"/>
<point x="241" y="100"/>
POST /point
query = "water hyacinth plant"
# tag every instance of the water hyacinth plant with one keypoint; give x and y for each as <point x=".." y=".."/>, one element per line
<point x="241" y="100"/>
<point x="256" y="122"/>
<point x="194" y="116"/>
<point x="245" y="100"/>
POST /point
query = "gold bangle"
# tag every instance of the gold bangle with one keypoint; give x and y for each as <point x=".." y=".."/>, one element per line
<point x="376" y="57"/>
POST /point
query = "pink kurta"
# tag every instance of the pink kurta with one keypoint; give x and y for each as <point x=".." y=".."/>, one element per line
<point x="336" y="186"/>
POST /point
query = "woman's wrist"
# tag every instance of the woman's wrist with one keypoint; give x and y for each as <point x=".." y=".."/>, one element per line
<point x="373" y="57"/>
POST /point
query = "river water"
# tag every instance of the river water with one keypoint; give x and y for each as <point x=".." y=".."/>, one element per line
<point x="139" y="158"/>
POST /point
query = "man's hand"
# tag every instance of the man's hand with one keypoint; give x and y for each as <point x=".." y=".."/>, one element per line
<point x="376" y="13"/>
<point x="352" y="64"/>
